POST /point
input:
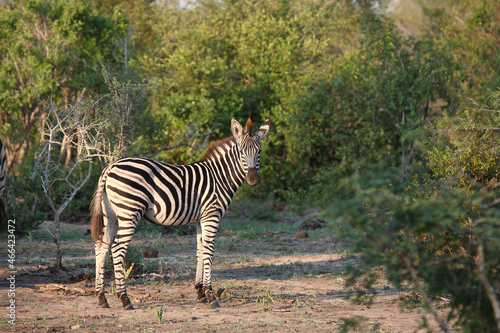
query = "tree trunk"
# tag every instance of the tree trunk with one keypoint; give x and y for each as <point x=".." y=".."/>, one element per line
<point x="57" y="241"/>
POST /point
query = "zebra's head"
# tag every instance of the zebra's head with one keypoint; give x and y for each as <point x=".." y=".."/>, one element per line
<point x="249" y="147"/>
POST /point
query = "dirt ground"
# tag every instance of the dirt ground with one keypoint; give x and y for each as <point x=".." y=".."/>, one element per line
<point x="267" y="282"/>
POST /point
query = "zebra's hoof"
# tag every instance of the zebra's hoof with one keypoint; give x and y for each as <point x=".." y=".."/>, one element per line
<point x="126" y="302"/>
<point x="129" y="307"/>
<point x="214" y="305"/>
<point x="103" y="305"/>
<point x="101" y="301"/>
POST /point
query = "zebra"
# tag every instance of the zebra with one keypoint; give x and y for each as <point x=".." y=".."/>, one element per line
<point x="134" y="188"/>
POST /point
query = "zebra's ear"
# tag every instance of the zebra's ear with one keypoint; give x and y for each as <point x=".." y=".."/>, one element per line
<point x="263" y="130"/>
<point x="248" y="127"/>
<point x="236" y="129"/>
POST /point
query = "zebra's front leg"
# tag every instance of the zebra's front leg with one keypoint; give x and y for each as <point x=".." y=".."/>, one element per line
<point x="209" y="227"/>
<point x="198" y="284"/>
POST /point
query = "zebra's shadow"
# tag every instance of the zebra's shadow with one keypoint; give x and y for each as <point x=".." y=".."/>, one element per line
<point x="280" y="271"/>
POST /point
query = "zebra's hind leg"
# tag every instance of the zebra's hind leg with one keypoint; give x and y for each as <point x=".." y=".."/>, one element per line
<point x="119" y="248"/>
<point x="101" y="250"/>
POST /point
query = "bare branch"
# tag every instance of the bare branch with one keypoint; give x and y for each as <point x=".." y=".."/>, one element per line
<point x="72" y="126"/>
<point x="191" y="134"/>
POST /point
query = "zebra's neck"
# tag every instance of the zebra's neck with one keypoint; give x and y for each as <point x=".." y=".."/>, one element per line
<point x="224" y="158"/>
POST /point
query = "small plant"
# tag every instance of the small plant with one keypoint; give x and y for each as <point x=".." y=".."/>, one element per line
<point x="412" y="299"/>
<point x="153" y="266"/>
<point x="76" y="306"/>
<point x="159" y="312"/>
<point x="299" y="303"/>
<point x="112" y="288"/>
<point x="265" y="299"/>
<point x="362" y="297"/>
<point x="127" y="271"/>
<point x="358" y="323"/>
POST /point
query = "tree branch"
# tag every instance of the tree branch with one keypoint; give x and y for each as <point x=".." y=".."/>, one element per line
<point x="185" y="141"/>
<point x="495" y="304"/>
<point x="421" y="290"/>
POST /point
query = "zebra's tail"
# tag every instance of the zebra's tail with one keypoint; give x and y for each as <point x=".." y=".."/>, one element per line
<point x="97" y="221"/>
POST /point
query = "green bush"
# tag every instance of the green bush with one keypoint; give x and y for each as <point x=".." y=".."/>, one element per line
<point x="435" y="226"/>
<point x="23" y="203"/>
<point x="432" y="240"/>
<point x="367" y="107"/>
<point x="464" y="144"/>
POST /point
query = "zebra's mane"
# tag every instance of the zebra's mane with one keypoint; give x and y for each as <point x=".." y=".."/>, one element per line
<point x="217" y="146"/>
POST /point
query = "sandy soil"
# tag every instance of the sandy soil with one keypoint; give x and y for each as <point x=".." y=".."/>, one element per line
<point x="270" y="284"/>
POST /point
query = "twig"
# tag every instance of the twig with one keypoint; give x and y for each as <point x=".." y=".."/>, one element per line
<point x="185" y="141"/>
<point x="303" y="219"/>
<point x="272" y="234"/>
<point x="280" y="310"/>
<point x="420" y="289"/>
<point x="47" y="228"/>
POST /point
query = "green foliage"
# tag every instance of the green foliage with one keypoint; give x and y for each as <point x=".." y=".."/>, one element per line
<point x="49" y="50"/>
<point x="385" y="88"/>
<point x="435" y="227"/>
<point x="23" y="203"/>
<point x="465" y="142"/>
<point x="235" y="59"/>
<point x="438" y="233"/>
<point x="471" y="27"/>
<point x="368" y="107"/>
<point x="358" y="324"/>
<point x="323" y="190"/>
<point x="299" y="64"/>
<point x="344" y="87"/>
<point x="123" y="105"/>
<point x="339" y="83"/>
<point x="335" y="80"/>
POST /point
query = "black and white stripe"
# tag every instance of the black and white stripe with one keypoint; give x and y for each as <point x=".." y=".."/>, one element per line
<point x="135" y="188"/>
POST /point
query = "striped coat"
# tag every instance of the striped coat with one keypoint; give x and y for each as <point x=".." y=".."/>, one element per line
<point x="132" y="189"/>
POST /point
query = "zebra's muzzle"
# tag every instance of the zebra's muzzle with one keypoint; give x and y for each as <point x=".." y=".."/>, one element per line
<point x="252" y="176"/>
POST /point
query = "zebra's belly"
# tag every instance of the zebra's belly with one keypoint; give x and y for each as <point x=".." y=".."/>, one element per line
<point x="151" y="216"/>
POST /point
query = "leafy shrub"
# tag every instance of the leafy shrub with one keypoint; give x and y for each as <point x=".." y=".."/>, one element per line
<point x="436" y="227"/>
<point x="23" y="203"/>
<point x="432" y="240"/>
<point x="464" y="145"/>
